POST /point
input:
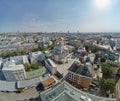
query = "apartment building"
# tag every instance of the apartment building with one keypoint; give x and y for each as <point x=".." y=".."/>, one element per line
<point x="79" y="75"/>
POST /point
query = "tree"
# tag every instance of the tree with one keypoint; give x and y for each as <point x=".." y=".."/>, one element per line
<point x="34" y="66"/>
<point x="20" y="90"/>
<point x="27" y="66"/>
<point x="91" y="48"/>
<point x="110" y="58"/>
<point x="106" y="69"/>
<point x="103" y="59"/>
<point x="108" y="85"/>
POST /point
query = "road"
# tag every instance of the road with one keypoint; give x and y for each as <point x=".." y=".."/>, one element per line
<point x="63" y="68"/>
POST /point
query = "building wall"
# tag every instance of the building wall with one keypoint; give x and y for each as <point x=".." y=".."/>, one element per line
<point x="9" y="75"/>
<point x="118" y="90"/>
<point x="14" y="75"/>
<point x="79" y="80"/>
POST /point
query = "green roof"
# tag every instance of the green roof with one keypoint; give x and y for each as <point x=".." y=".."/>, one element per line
<point x="36" y="73"/>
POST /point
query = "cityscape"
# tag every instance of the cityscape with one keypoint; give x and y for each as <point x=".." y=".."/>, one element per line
<point x="59" y="66"/>
<point x="59" y="50"/>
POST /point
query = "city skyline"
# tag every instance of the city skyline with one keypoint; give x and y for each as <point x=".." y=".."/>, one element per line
<point x="63" y="15"/>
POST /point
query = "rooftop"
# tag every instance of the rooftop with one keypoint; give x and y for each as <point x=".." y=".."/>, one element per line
<point x="49" y="81"/>
<point x="10" y="65"/>
<point x="20" y="59"/>
<point x="8" y="86"/>
<point x="36" y="73"/>
<point x="59" y="51"/>
<point x="66" y="92"/>
<point x="37" y="53"/>
<point x="81" y="69"/>
<point x="51" y="63"/>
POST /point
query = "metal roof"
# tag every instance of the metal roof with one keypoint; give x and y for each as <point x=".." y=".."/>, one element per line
<point x="66" y="92"/>
<point x="28" y="83"/>
<point x="31" y="82"/>
<point x="8" y="86"/>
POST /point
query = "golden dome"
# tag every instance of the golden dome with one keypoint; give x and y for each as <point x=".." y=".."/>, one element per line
<point x="61" y="39"/>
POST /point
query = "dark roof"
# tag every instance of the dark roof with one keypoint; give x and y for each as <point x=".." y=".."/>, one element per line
<point x="81" y="69"/>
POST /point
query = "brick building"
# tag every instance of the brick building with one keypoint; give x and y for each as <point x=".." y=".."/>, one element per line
<point x="79" y="75"/>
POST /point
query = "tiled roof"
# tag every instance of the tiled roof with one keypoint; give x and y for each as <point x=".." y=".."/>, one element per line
<point x="49" y="81"/>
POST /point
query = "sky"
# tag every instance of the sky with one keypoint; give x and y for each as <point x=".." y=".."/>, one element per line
<point x="59" y="15"/>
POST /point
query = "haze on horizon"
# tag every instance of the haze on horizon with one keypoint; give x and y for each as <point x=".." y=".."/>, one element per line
<point x="59" y="15"/>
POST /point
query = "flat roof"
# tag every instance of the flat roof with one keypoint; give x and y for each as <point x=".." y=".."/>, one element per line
<point x="28" y="83"/>
<point x="10" y="65"/>
<point x="36" y="73"/>
<point x="8" y="86"/>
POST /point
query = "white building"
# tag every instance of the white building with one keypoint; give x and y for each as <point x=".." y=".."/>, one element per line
<point x="108" y="47"/>
<point x="13" y="72"/>
<point x="36" y="57"/>
<point x="20" y="59"/>
<point x="81" y="50"/>
<point x="51" y="66"/>
<point x="91" y="57"/>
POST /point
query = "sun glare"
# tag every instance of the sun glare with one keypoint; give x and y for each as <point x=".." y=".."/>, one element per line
<point x="102" y="4"/>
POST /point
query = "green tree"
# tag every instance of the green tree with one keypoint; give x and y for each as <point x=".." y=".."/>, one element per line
<point x="106" y="69"/>
<point x="91" y="48"/>
<point x="35" y="66"/>
<point x="27" y="66"/>
<point x="108" y="85"/>
<point x="110" y="58"/>
<point x="20" y="90"/>
<point x="103" y="59"/>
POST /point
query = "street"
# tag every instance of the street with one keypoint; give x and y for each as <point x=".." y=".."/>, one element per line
<point x="63" y="68"/>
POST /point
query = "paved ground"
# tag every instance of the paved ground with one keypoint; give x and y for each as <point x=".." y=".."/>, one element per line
<point x="27" y="94"/>
<point x="63" y="68"/>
